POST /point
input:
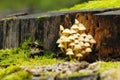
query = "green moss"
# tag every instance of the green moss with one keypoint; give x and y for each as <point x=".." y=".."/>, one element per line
<point x="108" y="65"/>
<point x="95" y="5"/>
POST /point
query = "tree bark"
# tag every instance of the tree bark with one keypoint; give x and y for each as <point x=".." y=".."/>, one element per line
<point x="45" y="27"/>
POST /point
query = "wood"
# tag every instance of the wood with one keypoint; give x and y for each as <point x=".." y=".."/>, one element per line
<point x="45" y="27"/>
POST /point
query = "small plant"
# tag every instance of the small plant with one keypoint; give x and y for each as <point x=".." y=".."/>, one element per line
<point x="75" y="42"/>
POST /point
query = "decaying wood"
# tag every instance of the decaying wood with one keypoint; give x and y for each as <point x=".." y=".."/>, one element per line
<point x="45" y="27"/>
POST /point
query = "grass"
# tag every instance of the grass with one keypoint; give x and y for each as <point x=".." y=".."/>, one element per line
<point x="95" y="4"/>
<point x="11" y="61"/>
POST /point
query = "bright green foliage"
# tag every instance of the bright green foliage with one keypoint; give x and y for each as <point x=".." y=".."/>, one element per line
<point x="96" y="4"/>
<point x="17" y="57"/>
<point x="40" y="5"/>
<point x="108" y="65"/>
<point x="14" y="73"/>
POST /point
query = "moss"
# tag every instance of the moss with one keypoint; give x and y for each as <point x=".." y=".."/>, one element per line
<point x="96" y="4"/>
<point x="43" y="16"/>
<point x="108" y="65"/>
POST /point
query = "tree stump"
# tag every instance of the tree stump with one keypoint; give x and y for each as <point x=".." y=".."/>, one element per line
<point x="45" y="26"/>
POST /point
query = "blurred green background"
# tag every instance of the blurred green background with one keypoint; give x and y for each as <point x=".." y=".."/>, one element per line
<point x="36" y="5"/>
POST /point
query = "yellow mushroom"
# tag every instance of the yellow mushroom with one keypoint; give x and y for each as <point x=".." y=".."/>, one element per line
<point x="71" y="45"/>
<point x="75" y="41"/>
<point x="86" y="44"/>
<point x="66" y="32"/>
<point x="76" y="21"/>
<point x="61" y="30"/>
<point x="79" y="55"/>
<point x="65" y="40"/>
<point x="88" y="50"/>
<point x="69" y="52"/>
<point x="61" y="46"/>
<point x="75" y="27"/>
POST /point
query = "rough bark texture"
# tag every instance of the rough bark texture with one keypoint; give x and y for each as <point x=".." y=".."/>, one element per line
<point x="104" y="28"/>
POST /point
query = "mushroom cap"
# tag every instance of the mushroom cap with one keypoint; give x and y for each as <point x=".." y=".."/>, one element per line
<point x="89" y="36"/>
<point x="65" y="39"/>
<point x="88" y="50"/>
<point x="69" y="53"/>
<point x="81" y="26"/>
<point x="83" y="52"/>
<point x="92" y="41"/>
<point x="76" y="41"/>
<point x="81" y="43"/>
<point x="77" y="47"/>
<point x="72" y="44"/>
<point x="61" y="45"/>
<point x="59" y="40"/>
<point x="78" y="34"/>
<point x="69" y="49"/>
<point x="76" y="21"/>
<point x="61" y="28"/>
<point x="75" y="36"/>
<point x="66" y="31"/>
<point x="79" y="55"/>
<point x="72" y="31"/>
<point x="83" y="35"/>
<point x="62" y="37"/>
<point x="36" y="43"/>
<point x="86" y="44"/>
<point x="81" y="38"/>
<point x="75" y="27"/>
<point x="86" y="39"/>
<point x="71" y="38"/>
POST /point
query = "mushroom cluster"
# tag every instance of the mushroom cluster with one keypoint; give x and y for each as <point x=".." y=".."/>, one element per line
<point x="75" y="42"/>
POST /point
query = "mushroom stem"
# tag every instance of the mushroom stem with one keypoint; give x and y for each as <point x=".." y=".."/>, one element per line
<point x="60" y="33"/>
<point x="65" y="45"/>
<point x="78" y="58"/>
<point x="70" y="56"/>
<point x="62" y="50"/>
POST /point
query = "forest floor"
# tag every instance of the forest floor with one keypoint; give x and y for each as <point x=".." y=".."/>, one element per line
<point x="15" y="64"/>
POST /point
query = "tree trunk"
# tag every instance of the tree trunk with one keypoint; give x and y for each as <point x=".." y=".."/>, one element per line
<point x="45" y="27"/>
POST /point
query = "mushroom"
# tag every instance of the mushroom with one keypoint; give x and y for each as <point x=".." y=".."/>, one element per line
<point x="66" y="32"/>
<point x="89" y="36"/>
<point x="72" y="31"/>
<point x="77" y="48"/>
<point x="61" y="46"/>
<point x="83" y="35"/>
<point x="86" y="39"/>
<point x="83" y="52"/>
<point x="75" y="36"/>
<point x="71" y="38"/>
<point x="79" y="55"/>
<point x="75" y="27"/>
<point x="92" y="41"/>
<point x="59" y="40"/>
<point x="61" y="30"/>
<point x="69" y="52"/>
<point x="81" y="38"/>
<point x="76" y="41"/>
<point x="81" y="43"/>
<point x="86" y="44"/>
<point x="88" y="50"/>
<point x="72" y="45"/>
<point x="82" y="28"/>
<point x="76" y="21"/>
<point x="65" y="40"/>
